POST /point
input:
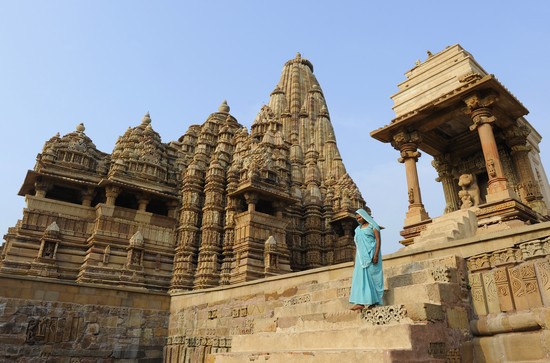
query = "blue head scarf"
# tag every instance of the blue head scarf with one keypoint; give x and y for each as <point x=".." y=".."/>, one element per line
<point x="363" y="213"/>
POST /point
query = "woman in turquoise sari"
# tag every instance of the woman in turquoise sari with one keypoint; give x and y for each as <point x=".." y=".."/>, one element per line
<point x="367" y="283"/>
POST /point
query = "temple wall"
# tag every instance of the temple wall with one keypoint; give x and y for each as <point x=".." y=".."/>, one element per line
<point x="46" y="321"/>
<point x="475" y="312"/>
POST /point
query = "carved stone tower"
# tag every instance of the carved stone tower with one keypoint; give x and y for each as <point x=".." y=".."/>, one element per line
<point x="218" y="206"/>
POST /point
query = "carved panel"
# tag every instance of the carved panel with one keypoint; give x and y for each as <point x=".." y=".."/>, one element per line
<point x="491" y="297"/>
<point x="504" y="291"/>
<point x="297" y="300"/>
<point x="478" y="296"/>
<point x="441" y="274"/>
<point x="525" y="286"/>
<point x="383" y="315"/>
<point x="543" y="277"/>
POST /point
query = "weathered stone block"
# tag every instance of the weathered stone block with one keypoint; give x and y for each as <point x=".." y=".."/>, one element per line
<point x="457" y="318"/>
<point x="520" y="347"/>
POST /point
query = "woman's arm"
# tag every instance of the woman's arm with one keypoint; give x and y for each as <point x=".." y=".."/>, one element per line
<point x="377" y="247"/>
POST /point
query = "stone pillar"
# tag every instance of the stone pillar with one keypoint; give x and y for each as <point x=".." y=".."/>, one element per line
<point x="407" y="144"/>
<point x="41" y="188"/>
<point x="142" y="202"/>
<point x="172" y="208"/>
<point x="111" y="192"/>
<point x="445" y="176"/>
<point x="529" y="189"/>
<point x="87" y="196"/>
<point x="251" y="200"/>
<point x="482" y="118"/>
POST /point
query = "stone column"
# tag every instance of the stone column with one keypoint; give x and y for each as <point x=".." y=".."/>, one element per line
<point x="87" y="196"/>
<point x="529" y="189"/>
<point x="482" y="118"/>
<point x="172" y="208"/>
<point x="407" y="144"/>
<point x="143" y="200"/>
<point x="251" y="200"/>
<point x="111" y="192"/>
<point x="445" y="176"/>
<point x="41" y="188"/>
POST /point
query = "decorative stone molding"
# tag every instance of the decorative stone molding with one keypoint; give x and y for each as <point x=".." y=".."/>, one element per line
<point x="383" y="315"/>
<point x="479" y="262"/>
<point x="441" y="274"/>
<point x="534" y="249"/>
<point x="505" y="257"/>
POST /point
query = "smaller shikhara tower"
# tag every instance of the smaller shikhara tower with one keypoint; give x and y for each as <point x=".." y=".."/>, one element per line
<point x="220" y="205"/>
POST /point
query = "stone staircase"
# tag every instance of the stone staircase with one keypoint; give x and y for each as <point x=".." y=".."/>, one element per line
<point x="449" y="227"/>
<point x="423" y="320"/>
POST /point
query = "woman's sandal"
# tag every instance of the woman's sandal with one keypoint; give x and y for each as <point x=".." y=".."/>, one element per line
<point x="357" y="307"/>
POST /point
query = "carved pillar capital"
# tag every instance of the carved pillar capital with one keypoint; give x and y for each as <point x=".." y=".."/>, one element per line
<point x="516" y="137"/>
<point x="409" y="155"/>
<point x="442" y="165"/>
<point x="478" y="108"/>
<point x="477" y="101"/>
<point x="406" y="141"/>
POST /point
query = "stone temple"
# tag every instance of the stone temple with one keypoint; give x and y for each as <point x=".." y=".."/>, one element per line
<point x="236" y="245"/>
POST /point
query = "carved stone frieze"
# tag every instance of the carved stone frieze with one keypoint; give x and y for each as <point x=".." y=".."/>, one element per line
<point x="479" y="262"/>
<point x="504" y="257"/>
<point x="533" y="249"/>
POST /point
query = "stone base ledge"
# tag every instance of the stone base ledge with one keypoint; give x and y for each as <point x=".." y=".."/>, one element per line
<point x="535" y="319"/>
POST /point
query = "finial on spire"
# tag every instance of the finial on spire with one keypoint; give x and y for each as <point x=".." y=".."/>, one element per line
<point x="224" y="107"/>
<point x="146" y="119"/>
<point x="298" y="55"/>
<point x="80" y="127"/>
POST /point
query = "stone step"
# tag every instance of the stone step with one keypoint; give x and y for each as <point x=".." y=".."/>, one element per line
<point x="335" y="304"/>
<point x="433" y="293"/>
<point x="326" y="356"/>
<point x="429" y="275"/>
<point x="449" y="227"/>
<point x="315" y="356"/>
<point x="455" y="262"/>
<point x="302" y="318"/>
<point x="396" y="336"/>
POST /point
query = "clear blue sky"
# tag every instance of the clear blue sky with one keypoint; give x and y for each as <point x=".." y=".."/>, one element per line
<point x="106" y="63"/>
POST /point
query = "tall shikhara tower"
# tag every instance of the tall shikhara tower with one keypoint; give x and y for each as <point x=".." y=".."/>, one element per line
<point x="219" y="206"/>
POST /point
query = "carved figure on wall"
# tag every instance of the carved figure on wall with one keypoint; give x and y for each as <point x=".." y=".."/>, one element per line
<point x="106" y="254"/>
<point x="48" y="250"/>
<point x="31" y="331"/>
<point x="466" y="199"/>
<point x="470" y="191"/>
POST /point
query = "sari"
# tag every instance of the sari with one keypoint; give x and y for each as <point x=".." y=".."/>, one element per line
<point x="367" y="282"/>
